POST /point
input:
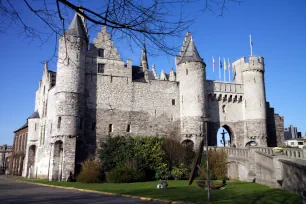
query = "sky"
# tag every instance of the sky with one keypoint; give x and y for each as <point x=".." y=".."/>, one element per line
<point x="278" y="33"/>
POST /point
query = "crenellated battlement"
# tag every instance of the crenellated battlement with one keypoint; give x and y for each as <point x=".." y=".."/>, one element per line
<point x="252" y="63"/>
<point x="224" y="91"/>
<point x="228" y="87"/>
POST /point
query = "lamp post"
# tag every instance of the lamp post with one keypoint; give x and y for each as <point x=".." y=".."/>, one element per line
<point x="4" y="159"/>
<point x="205" y="119"/>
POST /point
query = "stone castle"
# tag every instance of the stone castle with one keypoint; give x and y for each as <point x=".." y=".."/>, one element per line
<point x="94" y="94"/>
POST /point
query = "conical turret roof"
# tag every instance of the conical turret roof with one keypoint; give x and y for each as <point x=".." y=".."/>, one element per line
<point x="77" y="27"/>
<point x="144" y="58"/>
<point x="191" y="54"/>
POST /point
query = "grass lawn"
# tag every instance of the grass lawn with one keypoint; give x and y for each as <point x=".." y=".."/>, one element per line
<point x="234" y="192"/>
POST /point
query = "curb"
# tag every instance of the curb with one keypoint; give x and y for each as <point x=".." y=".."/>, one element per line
<point x="103" y="192"/>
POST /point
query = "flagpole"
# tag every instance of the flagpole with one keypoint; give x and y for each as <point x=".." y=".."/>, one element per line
<point x="229" y="70"/>
<point x="251" y="45"/>
<point x="214" y="68"/>
<point x="229" y="75"/>
<point x="219" y="69"/>
<point x="224" y="69"/>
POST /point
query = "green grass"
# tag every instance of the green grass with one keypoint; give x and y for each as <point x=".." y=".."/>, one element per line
<point x="235" y="192"/>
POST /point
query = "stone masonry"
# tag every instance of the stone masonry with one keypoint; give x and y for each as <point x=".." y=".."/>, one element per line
<point x="95" y="94"/>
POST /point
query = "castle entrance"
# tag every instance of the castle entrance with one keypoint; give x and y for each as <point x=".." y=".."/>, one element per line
<point x="31" y="161"/>
<point x="224" y="136"/>
<point x="58" y="161"/>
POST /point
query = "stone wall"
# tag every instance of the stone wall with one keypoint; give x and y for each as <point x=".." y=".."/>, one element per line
<point x="268" y="167"/>
<point x="264" y="169"/>
<point x="294" y="176"/>
<point x="279" y="129"/>
<point x="145" y="107"/>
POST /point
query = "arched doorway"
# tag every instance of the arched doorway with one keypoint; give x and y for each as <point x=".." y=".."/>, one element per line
<point x="58" y="161"/>
<point x="188" y="144"/>
<point x="251" y="144"/>
<point x="31" y="161"/>
<point x="225" y="136"/>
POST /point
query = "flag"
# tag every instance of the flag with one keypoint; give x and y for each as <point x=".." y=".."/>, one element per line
<point x="224" y="63"/>
<point x="220" y="63"/>
<point x="229" y="64"/>
<point x="214" y="64"/>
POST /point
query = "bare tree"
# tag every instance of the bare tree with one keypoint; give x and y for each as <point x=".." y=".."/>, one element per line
<point x="130" y="20"/>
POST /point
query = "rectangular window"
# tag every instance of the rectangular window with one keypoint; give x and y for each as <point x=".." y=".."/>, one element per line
<point x="35" y="126"/>
<point x="101" y="52"/>
<point x="93" y="126"/>
<point x="110" y="128"/>
<point x="292" y="143"/>
<point x="128" y="128"/>
<point x="59" y="120"/>
<point x="173" y="102"/>
<point x="101" y="68"/>
<point x="300" y="143"/>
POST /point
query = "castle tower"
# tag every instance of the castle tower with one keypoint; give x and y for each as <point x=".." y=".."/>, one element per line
<point x="191" y="75"/>
<point x="70" y="86"/>
<point x="254" y="100"/>
<point x="144" y="62"/>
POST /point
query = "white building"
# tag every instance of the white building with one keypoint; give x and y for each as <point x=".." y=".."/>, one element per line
<point x="298" y="142"/>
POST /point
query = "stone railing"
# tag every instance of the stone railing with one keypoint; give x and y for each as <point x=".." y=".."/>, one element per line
<point x="239" y="152"/>
<point x="294" y="153"/>
<point x="266" y="150"/>
<point x="225" y="87"/>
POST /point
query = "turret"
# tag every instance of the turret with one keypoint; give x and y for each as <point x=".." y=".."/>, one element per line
<point x="144" y="62"/>
<point x="172" y="76"/>
<point x="70" y="86"/>
<point x="251" y="74"/>
<point x="191" y="76"/>
<point x="154" y="72"/>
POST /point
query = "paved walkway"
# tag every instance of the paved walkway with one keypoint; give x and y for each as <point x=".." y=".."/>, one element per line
<point x="20" y="192"/>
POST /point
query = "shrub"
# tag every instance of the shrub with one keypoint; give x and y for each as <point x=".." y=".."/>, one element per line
<point x="176" y="154"/>
<point x="217" y="163"/>
<point x="152" y="155"/>
<point x="91" y="172"/>
<point x="115" y="151"/>
<point x="162" y="171"/>
<point x="181" y="172"/>
<point x="124" y="175"/>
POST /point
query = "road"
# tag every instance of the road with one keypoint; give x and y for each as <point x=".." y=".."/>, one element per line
<point x="19" y="192"/>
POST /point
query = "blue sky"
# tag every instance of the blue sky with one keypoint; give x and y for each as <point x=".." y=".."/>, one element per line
<point x="278" y="31"/>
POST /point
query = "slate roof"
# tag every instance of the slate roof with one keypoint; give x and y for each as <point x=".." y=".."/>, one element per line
<point x="138" y="74"/>
<point x="191" y="54"/>
<point x="77" y="28"/>
<point x="34" y="115"/>
<point x="22" y="127"/>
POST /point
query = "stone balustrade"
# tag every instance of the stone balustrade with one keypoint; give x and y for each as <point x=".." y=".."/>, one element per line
<point x="294" y="153"/>
<point x="239" y="152"/>
<point x="266" y="150"/>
